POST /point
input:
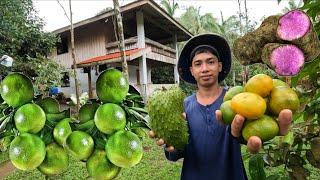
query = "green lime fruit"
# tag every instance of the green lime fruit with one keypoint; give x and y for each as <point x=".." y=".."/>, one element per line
<point x="100" y="168"/>
<point x="265" y="127"/>
<point x="112" y="86"/>
<point x="227" y="113"/>
<point x="27" y="151"/>
<point x="17" y="89"/>
<point x="87" y="111"/>
<point x="232" y="92"/>
<point x="56" y="160"/>
<point x="49" y="105"/>
<point x="61" y="131"/>
<point x="80" y="145"/>
<point x="110" y="118"/>
<point x="278" y="82"/>
<point x="30" y="118"/>
<point x="124" y="149"/>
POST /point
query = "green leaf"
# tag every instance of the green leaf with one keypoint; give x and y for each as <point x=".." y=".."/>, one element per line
<point x="309" y="68"/>
<point x="288" y="139"/>
<point x="273" y="177"/>
<point x="256" y="167"/>
<point x="85" y="126"/>
<point x="141" y="110"/>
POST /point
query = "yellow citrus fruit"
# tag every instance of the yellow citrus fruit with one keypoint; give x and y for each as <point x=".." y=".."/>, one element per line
<point x="27" y="151"/>
<point x="283" y="97"/>
<point x="249" y="105"/>
<point x="80" y="145"/>
<point x="100" y="168"/>
<point x="112" y="86"/>
<point x="30" y="118"/>
<point x="16" y="89"/>
<point x="124" y="149"/>
<point x="56" y="160"/>
<point x="260" y="84"/>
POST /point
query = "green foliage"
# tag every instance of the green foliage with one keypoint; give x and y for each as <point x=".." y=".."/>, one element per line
<point x="170" y="8"/>
<point x="162" y="75"/>
<point x="256" y="165"/>
<point x="48" y="73"/>
<point x="22" y="37"/>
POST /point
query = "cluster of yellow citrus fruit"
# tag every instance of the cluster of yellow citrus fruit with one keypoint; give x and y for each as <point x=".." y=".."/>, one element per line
<point x="259" y="102"/>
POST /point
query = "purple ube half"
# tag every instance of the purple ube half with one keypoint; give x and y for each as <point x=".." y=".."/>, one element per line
<point x="293" y="25"/>
<point x="287" y="60"/>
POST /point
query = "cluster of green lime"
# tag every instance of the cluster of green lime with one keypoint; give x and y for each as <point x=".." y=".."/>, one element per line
<point x="259" y="102"/>
<point x="45" y="137"/>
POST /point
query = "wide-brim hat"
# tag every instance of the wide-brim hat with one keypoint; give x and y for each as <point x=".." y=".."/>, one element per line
<point x="214" y="40"/>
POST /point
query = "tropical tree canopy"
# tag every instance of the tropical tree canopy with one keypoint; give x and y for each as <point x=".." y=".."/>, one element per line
<point x="22" y="37"/>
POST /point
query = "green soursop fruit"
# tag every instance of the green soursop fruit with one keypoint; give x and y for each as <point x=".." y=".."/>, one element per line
<point x="165" y="109"/>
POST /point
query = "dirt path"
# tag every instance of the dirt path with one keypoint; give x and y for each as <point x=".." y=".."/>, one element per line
<point x="6" y="168"/>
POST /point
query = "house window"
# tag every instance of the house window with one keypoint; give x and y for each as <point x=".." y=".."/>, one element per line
<point x="62" y="46"/>
<point x="65" y="81"/>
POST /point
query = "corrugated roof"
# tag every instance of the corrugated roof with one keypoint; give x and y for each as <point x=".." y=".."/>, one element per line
<point x="108" y="56"/>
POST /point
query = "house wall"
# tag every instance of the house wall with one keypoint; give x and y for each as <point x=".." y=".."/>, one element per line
<point x="90" y="42"/>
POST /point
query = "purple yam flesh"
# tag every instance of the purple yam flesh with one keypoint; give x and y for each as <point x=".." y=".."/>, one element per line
<point x="287" y="60"/>
<point x="293" y="25"/>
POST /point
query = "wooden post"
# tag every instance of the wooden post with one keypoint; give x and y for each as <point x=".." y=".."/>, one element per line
<point x="176" y="74"/>
<point x="89" y="83"/>
<point x="143" y="61"/>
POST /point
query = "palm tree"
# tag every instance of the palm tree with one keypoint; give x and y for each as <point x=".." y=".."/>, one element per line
<point x="104" y="10"/>
<point x="170" y="8"/>
<point x="292" y="5"/>
<point x="197" y="24"/>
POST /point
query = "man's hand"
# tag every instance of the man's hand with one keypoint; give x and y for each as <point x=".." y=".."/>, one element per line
<point x="254" y="143"/>
<point x="160" y="141"/>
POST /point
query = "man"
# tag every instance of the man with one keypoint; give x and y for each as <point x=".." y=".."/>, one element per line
<point x="213" y="151"/>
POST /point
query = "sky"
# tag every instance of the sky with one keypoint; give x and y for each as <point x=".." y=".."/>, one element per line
<point x="53" y="15"/>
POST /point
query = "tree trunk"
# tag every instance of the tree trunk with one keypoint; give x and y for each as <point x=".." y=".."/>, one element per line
<point x="234" y="78"/>
<point x="240" y="18"/>
<point x="74" y="61"/>
<point x="121" y="37"/>
<point x="246" y="16"/>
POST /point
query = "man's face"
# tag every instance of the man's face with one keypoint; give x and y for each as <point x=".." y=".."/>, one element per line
<point x="205" y="69"/>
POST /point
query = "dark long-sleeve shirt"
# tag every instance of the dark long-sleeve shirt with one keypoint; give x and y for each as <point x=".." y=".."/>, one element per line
<point x="212" y="152"/>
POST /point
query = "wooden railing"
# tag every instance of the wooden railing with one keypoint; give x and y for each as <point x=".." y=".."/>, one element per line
<point x="131" y="43"/>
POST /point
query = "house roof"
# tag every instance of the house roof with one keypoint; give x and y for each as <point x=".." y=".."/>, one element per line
<point x="163" y="25"/>
<point x="113" y="57"/>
